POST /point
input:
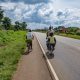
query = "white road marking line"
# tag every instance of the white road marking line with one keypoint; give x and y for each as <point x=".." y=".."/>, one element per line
<point x="52" y="69"/>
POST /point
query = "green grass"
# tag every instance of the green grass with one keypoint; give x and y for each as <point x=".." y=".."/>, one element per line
<point x="12" y="46"/>
<point x="70" y="35"/>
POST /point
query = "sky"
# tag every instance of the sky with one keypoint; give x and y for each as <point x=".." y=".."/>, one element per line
<point x="42" y="13"/>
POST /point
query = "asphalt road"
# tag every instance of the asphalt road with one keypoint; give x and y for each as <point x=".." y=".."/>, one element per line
<point x="66" y="60"/>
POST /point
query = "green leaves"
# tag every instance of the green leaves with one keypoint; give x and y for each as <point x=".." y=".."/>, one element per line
<point x="1" y="14"/>
<point x="6" y="23"/>
<point x="20" y="25"/>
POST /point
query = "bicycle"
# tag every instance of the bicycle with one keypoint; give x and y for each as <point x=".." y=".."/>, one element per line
<point x="51" y="49"/>
<point x="29" y="47"/>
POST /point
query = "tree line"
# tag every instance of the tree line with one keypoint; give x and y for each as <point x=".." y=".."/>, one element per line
<point x="68" y="30"/>
<point x="6" y="23"/>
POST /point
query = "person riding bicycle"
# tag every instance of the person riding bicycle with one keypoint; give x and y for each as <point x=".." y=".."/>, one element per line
<point x="29" y="38"/>
<point x="52" y="41"/>
<point x="47" y="36"/>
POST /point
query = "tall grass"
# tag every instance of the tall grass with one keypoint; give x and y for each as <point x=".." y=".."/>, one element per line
<point x="12" y="46"/>
<point x="70" y="35"/>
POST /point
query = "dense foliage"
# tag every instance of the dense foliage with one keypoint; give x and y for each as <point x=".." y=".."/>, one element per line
<point x="68" y="30"/>
<point x="72" y="32"/>
<point x="1" y="14"/>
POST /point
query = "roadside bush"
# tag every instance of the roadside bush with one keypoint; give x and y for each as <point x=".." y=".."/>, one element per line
<point x="78" y="33"/>
<point x="73" y="33"/>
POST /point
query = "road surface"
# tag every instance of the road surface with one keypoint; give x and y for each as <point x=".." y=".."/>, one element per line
<point x="66" y="61"/>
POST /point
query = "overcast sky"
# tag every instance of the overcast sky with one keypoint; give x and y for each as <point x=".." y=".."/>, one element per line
<point x="42" y="13"/>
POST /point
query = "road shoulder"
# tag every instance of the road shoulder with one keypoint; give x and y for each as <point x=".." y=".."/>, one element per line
<point x="32" y="66"/>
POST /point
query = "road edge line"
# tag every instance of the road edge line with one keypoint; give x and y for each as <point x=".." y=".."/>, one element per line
<point x="53" y="73"/>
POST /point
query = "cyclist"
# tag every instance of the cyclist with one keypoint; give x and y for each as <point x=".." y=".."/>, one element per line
<point x="29" y="38"/>
<point x="47" y="36"/>
<point x="52" y="41"/>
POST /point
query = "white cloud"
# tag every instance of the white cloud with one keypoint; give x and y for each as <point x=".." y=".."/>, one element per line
<point x="43" y="12"/>
<point x="36" y="25"/>
<point x="45" y="9"/>
<point x="8" y="6"/>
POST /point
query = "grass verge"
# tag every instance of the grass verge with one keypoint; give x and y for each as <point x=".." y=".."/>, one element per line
<point x="13" y="46"/>
<point x="70" y="36"/>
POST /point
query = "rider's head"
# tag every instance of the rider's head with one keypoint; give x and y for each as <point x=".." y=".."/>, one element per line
<point x="29" y="30"/>
<point x="50" y="28"/>
<point x="51" y="34"/>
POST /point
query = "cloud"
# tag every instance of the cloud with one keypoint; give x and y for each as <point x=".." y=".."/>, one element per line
<point x="8" y="6"/>
<point x="27" y="1"/>
<point x="37" y="25"/>
<point x="19" y="10"/>
<point x="52" y="12"/>
<point x="30" y="13"/>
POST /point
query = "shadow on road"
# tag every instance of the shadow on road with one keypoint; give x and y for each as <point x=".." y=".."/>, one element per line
<point x="50" y="56"/>
<point x="27" y="53"/>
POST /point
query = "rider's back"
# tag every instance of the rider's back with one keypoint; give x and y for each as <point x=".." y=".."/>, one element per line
<point x="51" y="39"/>
<point x="29" y="35"/>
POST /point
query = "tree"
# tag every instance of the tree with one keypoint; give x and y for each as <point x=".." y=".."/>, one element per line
<point x="1" y="14"/>
<point x="17" y="25"/>
<point x="72" y="30"/>
<point x="23" y="25"/>
<point x="20" y="26"/>
<point x="56" y="29"/>
<point x="6" y="23"/>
